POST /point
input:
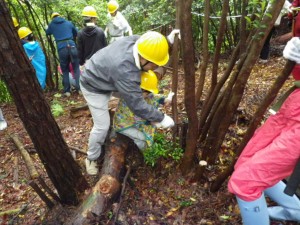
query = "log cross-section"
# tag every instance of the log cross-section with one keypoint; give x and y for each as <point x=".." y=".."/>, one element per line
<point x="109" y="185"/>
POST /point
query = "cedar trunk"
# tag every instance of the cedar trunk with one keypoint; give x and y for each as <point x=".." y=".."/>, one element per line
<point x="35" y="113"/>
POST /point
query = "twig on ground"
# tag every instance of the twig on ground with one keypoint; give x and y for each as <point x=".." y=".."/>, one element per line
<point x="121" y="195"/>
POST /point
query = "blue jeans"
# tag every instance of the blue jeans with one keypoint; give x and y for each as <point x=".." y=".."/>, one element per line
<point x="69" y="55"/>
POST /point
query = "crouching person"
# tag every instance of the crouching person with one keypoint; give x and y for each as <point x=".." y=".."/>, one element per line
<point x="138" y="129"/>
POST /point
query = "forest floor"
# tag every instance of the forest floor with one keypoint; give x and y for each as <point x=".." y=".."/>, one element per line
<point x="155" y="195"/>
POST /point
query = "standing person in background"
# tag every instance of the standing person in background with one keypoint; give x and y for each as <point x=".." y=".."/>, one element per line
<point x="265" y="51"/>
<point x="294" y="16"/>
<point x="117" y="68"/>
<point x="35" y="54"/>
<point x="91" y="38"/>
<point x="117" y="25"/>
<point x="65" y="33"/>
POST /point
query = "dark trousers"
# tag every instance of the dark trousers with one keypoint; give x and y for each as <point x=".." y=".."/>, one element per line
<point x="69" y="55"/>
<point x="265" y="51"/>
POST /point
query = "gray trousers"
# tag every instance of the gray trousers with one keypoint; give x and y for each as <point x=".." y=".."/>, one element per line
<point x="98" y="105"/>
<point x="137" y="136"/>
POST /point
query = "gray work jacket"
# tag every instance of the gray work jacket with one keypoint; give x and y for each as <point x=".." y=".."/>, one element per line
<point x="113" y="69"/>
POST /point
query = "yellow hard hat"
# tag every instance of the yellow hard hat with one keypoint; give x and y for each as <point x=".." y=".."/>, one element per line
<point x="89" y="11"/>
<point x="112" y="6"/>
<point x="54" y="15"/>
<point x="24" y="32"/>
<point x="15" y="21"/>
<point x="154" y="47"/>
<point x="149" y="81"/>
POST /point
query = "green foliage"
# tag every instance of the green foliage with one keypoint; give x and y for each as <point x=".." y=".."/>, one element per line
<point x="4" y="94"/>
<point x="162" y="148"/>
<point x="148" y="15"/>
<point x="257" y="8"/>
<point x="56" y="107"/>
<point x="186" y="203"/>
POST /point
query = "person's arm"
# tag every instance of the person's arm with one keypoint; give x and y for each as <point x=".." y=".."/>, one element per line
<point x="131" y="93"/>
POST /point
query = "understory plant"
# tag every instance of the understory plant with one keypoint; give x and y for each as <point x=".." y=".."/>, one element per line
<point x="162" y="148"/>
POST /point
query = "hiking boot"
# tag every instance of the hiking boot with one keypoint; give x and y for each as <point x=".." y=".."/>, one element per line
<point x="91" y="167"/>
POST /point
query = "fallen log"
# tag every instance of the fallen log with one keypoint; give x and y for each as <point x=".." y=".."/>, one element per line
<point x="27" y="159"/>
<point x="107" y="189"/>
<point x="83" y="110"/>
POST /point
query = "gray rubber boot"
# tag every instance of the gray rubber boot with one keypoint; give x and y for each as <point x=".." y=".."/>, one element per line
<point x="254" y="212"/>
<point x="289" y="206"/>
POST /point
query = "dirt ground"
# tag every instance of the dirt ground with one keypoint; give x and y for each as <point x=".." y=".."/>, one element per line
<point x="157" y="195"/>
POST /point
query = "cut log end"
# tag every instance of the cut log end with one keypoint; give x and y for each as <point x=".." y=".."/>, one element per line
<point x="108" y="185"/>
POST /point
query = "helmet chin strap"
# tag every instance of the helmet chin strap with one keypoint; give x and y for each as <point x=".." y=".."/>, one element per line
<point x="145" y="64"/>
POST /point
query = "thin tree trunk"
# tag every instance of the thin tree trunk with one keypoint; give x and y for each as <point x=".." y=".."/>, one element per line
<point x="256" y="120"/>
<point x="175" y="61"/>
<point x="230" y="103"/>
<point x="189" y="89"/>
<point x="205" y="53"/>
<point x="220" y="36"/>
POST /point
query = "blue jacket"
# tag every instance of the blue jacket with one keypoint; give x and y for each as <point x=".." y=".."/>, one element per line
<point x="63" y="31"/>
<point x="37" y="57"/>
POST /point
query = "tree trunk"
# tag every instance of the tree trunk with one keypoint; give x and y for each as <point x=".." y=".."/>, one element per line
<point x="35" y="113"/>
<point x="220" y="36"/>
<point x="175" y="61"/>
<point x="108" y="187"/>
<point x="205" y="52"/>
<point x="233" y="95"/>
<point x="189" y="89"/>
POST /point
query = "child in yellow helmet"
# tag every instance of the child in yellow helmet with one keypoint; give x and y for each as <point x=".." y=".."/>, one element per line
<point x="138" y="129"/>
<point x="35" y="54"/>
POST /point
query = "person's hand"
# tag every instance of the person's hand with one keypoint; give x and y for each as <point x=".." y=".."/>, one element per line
<point x="171" y="36"/>
<point x="292" y="50"/>
<point x="168" y="99"/>
<point x="167" y="122"/>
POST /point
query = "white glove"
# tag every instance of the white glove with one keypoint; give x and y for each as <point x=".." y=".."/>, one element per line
<point x="292" y="50"/>
<point x="171" y="36"/>
<point x="169" y="98"/>
<point x="167" y="122"/>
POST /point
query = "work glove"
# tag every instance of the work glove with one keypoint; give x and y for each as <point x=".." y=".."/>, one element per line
<point x="168" y="99"/>
<point x="171" y="36"/>
<point x="167" y="122"/>
<point x="292" y="50"/>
